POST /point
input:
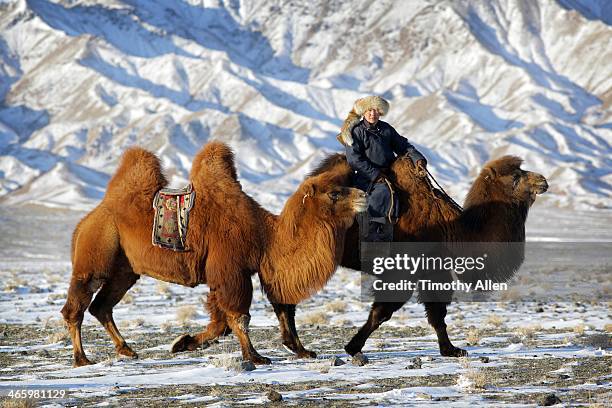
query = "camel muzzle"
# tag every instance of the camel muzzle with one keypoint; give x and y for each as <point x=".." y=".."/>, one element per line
<point x="360" y="203"/>
<point x="542" y="186"/>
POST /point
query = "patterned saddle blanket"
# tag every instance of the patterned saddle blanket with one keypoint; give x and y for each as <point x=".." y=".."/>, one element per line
<point x="172" y="208"/>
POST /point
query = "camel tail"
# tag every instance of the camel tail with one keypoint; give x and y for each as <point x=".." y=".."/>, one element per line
<point x="137" y="179"/>
<point x="215" y="160"/>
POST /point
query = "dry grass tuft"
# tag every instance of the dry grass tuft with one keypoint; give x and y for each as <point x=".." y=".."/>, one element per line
<point x="511" y="295"/>
<point x="19" y="403"/>
<point x="227" y="362"/>
<point x="53" y="323"/>
<point x="472" y="380"/>
<point x="185" y="313"/>
<point x="579" y="329"/>
<point x="608" y="328"/>
<point x="60" y="336"/>
<point x="139" y="322"/>
<point x="336" y="306"/>
<point x="495" y="320"/>
<point x="473" y="336"/>
<point x="320" y="366"/>
<point x="314" y="318"/>
<point x="165" y="327"/>
<point x="528" y="332"/>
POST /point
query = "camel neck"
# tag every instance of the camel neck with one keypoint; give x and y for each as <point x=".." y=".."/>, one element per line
<point x="300" y="258"/>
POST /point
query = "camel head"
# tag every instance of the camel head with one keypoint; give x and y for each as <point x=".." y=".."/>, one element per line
<point x="322" y="199"/>
<point x="503" y="180"/>
<point x="406" y="175"/>
<point x="324" y="196"/>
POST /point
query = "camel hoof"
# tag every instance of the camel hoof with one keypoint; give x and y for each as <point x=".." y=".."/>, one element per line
<point x="183" y="342"/>
<point x="453" y="352"/>
<point x="126" y="351"/>
<point x="81" y="362"/>
<point x="306" y="354"/>
<point x="359" y="359"/>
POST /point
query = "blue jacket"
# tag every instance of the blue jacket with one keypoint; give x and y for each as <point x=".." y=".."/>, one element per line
<point x="374" y="149"/>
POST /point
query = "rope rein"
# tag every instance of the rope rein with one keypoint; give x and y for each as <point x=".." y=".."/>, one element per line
<point x="430" y="176"/>
<point x="390" y="187"/>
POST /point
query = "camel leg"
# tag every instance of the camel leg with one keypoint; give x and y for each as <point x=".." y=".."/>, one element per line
<point x="286" y="319"/>
<point x="217" y="327"/>
<point x="379" y="313"/>
<point x="239" y="323"/>
<point x="80" y="293"/>
<point x="436" y="312"/>
<point x="233" y="295"/>
<point x="101" y="308"/>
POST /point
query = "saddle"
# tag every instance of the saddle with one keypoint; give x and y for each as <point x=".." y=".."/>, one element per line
<point x="171" y="220"/>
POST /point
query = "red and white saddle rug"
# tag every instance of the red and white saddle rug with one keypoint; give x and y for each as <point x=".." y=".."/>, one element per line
<point x="172" y="208"/>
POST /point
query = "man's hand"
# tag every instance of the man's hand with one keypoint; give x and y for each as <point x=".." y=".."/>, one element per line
<point x="381" y="179"/>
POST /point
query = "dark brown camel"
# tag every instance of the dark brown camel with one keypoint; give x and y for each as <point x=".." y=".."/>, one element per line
<point x="495" y="210"/>
<point x="230" y="238"/>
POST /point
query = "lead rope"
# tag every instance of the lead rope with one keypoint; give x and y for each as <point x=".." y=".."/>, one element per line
<point x="392" y="201"/>
<point x="442" y="190"/>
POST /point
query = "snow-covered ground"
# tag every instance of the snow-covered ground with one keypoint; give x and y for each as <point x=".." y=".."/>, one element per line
<point x="533" y="349"/>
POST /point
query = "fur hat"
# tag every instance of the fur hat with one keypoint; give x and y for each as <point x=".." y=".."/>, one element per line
<point x="360" y="107"/>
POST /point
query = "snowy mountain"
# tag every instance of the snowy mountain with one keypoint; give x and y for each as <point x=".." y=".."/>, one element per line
<point x="80" y="81"/>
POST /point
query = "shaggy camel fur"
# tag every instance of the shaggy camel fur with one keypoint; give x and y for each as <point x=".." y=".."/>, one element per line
<point x="495" y="210"/>
<point x="230" y="238"/>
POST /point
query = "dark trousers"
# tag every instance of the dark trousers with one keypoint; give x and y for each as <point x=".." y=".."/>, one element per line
<point x="380" y="203"/>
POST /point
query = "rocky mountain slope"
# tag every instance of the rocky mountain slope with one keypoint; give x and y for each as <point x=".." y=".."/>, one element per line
<point x="80" y="81"/>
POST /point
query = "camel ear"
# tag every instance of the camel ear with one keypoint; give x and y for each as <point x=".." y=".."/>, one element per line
<point x="489" y="174"/>
<point x="309" y="190"/>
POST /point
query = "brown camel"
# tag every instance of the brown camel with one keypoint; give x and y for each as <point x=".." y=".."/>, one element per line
<point x="230" y="238"/>
<point x="495" y="210"/>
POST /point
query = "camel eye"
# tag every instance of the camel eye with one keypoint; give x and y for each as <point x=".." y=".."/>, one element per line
<point x="334" y="196"/>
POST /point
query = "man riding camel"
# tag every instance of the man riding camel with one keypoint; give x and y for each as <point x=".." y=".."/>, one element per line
<point x="371" y="148"/>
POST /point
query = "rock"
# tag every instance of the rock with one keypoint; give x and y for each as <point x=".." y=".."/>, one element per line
<point x="540" y="310"/>
<point x="415" y="364"/>
<point x="274" y="396"/>
<point x="247" y="366"/>
<point x="484" y="359"/>
<point x="549" y="400"/>
<point x="337" y="362"/>
<point x="23" y="352"/>
<point x="360" y="359"/>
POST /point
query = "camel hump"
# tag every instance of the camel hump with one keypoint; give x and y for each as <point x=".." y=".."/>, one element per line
<point x="217" y="160"/>
<point x="139" y="172"/>
<point x="334" y="162"/>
